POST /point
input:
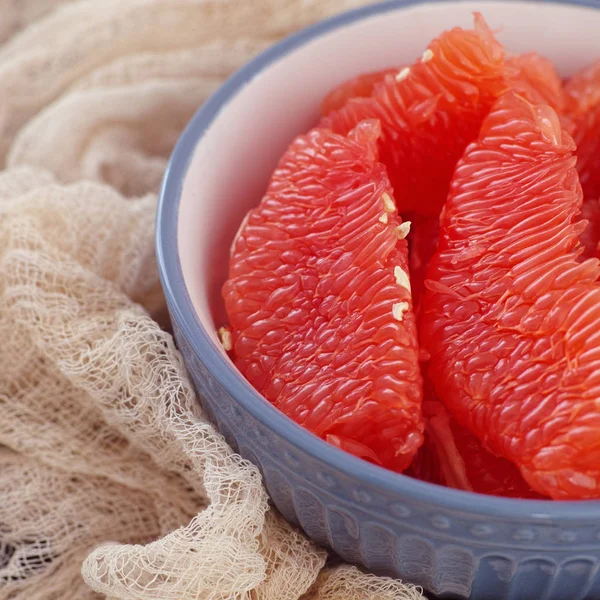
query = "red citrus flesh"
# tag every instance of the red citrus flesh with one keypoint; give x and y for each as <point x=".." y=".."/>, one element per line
<point x="422" y="244"/>
<point x="319" y="300"/>
<point x="452" y="456"/>
<point x="511" y="317"/>
<point x="356" y="87"/>
<point x="464" y="461"/>
<point x="535" y="77"/>
<point x="583" y="107"/>
<point x="590" y="238"/>
<point x="430" y="111"/>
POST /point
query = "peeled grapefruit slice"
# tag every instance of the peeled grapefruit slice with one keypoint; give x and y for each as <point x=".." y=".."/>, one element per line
<point x="430" y="111"/>
<point x="319" y="301"/>
<point x="511" y="317"/>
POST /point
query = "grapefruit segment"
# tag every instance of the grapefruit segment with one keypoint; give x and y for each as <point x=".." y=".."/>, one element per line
<point x="443" y="96"/>
<point x="511" y="317"/>
<point x="319" y="300"/>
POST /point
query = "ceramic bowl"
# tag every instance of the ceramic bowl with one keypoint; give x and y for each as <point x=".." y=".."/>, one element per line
<point x="455" y="544"/>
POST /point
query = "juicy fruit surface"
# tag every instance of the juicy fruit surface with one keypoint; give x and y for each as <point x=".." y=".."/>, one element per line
<point x="422" y="244"/>
<point x="582" y="94"/>
<point x="357" y="87"/>
<point x="590" y="238"/>
<point x="485" y="472"/>
<point x="319" y="302"/>
<point x="511" y="317"/>
<point x="583" y="107"/>
<point x="451" y="455"/>
<point x="535" y="77"/>
<point x="431" y="111"/>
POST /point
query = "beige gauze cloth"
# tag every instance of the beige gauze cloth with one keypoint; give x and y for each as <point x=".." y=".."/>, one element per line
<point x="112" y="482"/>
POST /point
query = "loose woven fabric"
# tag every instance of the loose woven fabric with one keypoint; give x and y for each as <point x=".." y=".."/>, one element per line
<point x="112" y="482"/>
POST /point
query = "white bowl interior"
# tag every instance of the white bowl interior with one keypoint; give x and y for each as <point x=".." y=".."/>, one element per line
<point x="232" y="162"/>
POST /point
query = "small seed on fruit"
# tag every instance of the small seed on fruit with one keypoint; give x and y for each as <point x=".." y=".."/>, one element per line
<point x="402" y="277"/>
<point x="225" y="337"/>
<point x="403" y="229"/>
<point x="403" y="74"/>
<point x="399" y="309"/>
<point x="388" y="203"/>
<point x="427" y="56"/>
<point x="384" y="218"/>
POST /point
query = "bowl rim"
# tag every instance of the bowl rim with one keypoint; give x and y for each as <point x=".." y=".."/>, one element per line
<point x="207" y="351"/>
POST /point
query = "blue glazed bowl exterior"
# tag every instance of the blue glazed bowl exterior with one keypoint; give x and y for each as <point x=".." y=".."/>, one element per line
<point x="454" y="544"/>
